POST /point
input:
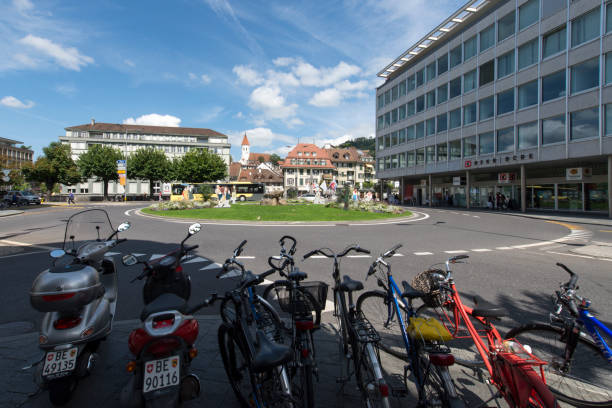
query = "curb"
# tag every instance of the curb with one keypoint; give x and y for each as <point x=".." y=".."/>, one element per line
<point x="3" y="213"/>
<point x="602" y="222"/>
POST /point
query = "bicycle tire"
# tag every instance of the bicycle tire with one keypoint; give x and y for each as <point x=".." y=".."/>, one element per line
<point x="374" y="306"/>
<point x="269" y="296"/>
<point x="588" y="365"/>
<point x="366" y="377"/>
<point x="463" y="349"/>
<point x="436" y="391"/>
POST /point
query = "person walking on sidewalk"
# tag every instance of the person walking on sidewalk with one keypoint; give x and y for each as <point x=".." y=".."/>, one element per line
<point x="71" y="198"/>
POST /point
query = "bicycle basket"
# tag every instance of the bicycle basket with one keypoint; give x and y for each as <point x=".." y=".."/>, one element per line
<point x="428" y="329"/>
<point x="425" y="283"/>
<point x="309" y="297"/>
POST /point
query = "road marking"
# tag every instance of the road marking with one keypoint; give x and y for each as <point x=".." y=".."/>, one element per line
<point x="112" y="253"/>
<point x="196" y="260"/>
<point x="467" y="215"/>
<point x="6" y="241"/>
<point x="245" y="257"/>
<point x="329" y="306"/>
<point x="24" y="253"/>
<point x="318" y="256"/>
<point x="457" y="251"/>
<point x="128" y="212"/>
<point x="213" y="265"/>
<point x="482" y="250"/>
<point x="504" y="248"/>
<point x="476" y="216"/>
<point x="568" y="226"/>
<point x="564" y="253"/>
<point x="398" y="255"/>
<point x="359" y="256"/>
<point x="423" y="253"/>
<point x="605" y="230"/>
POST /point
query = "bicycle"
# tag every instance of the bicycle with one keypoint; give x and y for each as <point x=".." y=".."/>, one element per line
<point x="511" y="367"/>
<point x="422" y="343"/>
<point x="250" y="341"/>
<point x="579" y="368"/>
<point x="358" y="340"/>
<point x="300" y="300"/>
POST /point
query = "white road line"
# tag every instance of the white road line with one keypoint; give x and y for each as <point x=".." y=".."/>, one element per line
<point x="318" y="256"/>
<point x="482" y="250"/>
<point x="398" y="255"/>
<point x="476" y="216"/>
<point x="359" y="256"/>
<point x="112" y="253"/>
<point x="6" y="241"/>
<point x="423" y="253"/>
<point x="329" y="306"/>
<point x="128" y="212"/>
<point x="245" y="257"/>
<point x="213" y="265"/>
<point x="577" y="256"/>
<point x="197" y="259"/>
<point x="457" y="251"/>
<point x="467" y="215"/>
<point x="24" y="253"/>
<point x="504" y="248"/>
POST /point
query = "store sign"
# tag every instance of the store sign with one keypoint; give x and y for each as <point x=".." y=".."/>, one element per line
<point x="573" y="173"/>
<point x="468" y="163"/>
<point x="505" y="178"/>
<point x="457" y="181"/>
<point x="121" y="169"/>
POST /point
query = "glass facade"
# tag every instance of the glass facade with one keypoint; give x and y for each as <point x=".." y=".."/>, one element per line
<point x="487" y="37"/>
<point x="527" y="135"/>
<point x="585" y="75"/>
<point x="585" y="27"/>
<point x="456" y="56"/>
<point x="553" y="86"/>
<point x="505" y="64"/>
<point x="505" y="26"/>
<point x="528" y="94"/>
<point x="486" y="144"/>
<point x="528" y="54"/>
<point x="505" y="140"/>
<point x="553" y="130"/>
<point x="470" y="48"/>
<point x="486" y="73"/>
<point x="485" y="107"/>
<point x="554" y="42"/>
<point x="505" y="101"/>
<point x="584" y="124"/>
<point x="529" y="13"/>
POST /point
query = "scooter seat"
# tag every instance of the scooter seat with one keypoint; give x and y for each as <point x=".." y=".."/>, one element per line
<point x="269" y="354"/>
<point x="163" y="303"/>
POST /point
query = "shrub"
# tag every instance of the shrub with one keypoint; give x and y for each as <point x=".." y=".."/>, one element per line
<point x="292" y="193"/>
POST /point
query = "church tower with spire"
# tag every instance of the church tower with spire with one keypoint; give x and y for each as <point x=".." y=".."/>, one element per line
<point x="244" y="159"/>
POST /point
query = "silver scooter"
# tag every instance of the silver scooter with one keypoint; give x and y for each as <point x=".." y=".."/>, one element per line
<point x="78" y="296"/>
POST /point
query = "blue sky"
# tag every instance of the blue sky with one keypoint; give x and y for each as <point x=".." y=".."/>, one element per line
<point x="277" y="70"/>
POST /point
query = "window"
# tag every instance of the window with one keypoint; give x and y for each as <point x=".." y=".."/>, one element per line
<point x="410" y="158"/>
<point x="410" y="108"/>
<point x="394" y="116"/>
<point x="550" y="7"/>
<point x="387" y="97"/>
<point x="381" y="101"/>
<point x="554" y="42"/>
<point x="381" y="143"/>
<point x="553" y="86"/>
<point x="431" y="154"/>
<point x="431" y="71"/>
<point x="455" y="149"/>
<point x="387" y="143"/>
<point x="528" y="54"/>
<point x="487" y="73"/>
<point x="505" y="64"/>
<point x="442" y="152"/>
<point x="608" y="17"/>
<point x="505" y="140"/>
<point x="455" y="56"/>
<point x="527" y="135"/>
<point x="431" y="99"/>
<point x="584" y="124"/>
<point x="420" y="130"/>
<point x="455" y="87"/>
<point x="469" y="113"/>
<point x="454" y="118"/>
<point x="393" y="140"/>
<point x="553" y="130"/>
<point x="469" y="81"/>
<point x="528" y="94"/>
<point x="410" y="133"/>
<point x="608" y="67"/>
<point x="394" y="93"/>
<point x="402" y="88"/>
<point x="402" y="160"/>
<point x="443" y="122"/>
<point x="443" y="64"/>
<point x="430" y="126"/>
<point x="529" y="13"/>
<point x="442" y="93"/>
<point x="410" y="83"/>
<point x="505" y="102"/>
<point x="469" y="48"/>
<point x="585" y="75"/>
<point x="505" y="26"/>
<point x="585" y="27"/>
<point x="402" y="112"/>
<point x="420" y="103"/>
<point x="486" y="108"/>
<point x="469" y="146"/>
<point x="420" y="77"/>
<point x="608" y="118"/>
<point x="487" y="38"/>
<point x="486" y="143"/>
<point x="401" y="135"/>
<point x="380" y="122"/>
<point x="420" y="156"/>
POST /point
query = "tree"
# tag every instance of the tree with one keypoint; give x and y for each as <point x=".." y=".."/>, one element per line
<point x="55" y="166"/>
<point x="200" y="166"/>
<point x="149" y="164"/>
<point x="100" y="161"/>
<point x="362" y="143"/>
<point x="274" y="159"/>
<point x="261" y="159"/>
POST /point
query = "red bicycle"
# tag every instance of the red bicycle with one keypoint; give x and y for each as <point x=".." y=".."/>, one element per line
<point x="517" y="374"/>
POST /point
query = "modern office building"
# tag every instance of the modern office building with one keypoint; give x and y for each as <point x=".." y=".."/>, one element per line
<point x="12" y="155"/>
<point x="508" y="96"/>
<point x="174" y="141"/>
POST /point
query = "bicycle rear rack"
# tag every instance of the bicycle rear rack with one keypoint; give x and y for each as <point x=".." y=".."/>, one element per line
<point x="366" y="333"/>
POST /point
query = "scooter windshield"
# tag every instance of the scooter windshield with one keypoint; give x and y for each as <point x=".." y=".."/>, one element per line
<point x="87" y="226"/>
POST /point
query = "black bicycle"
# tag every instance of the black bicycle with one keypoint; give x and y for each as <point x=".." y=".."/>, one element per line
<point x="303" y="302"/>
<point x="358" y="339"/>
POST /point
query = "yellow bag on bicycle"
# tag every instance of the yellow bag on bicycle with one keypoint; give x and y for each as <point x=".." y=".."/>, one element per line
<point x="429" y="329"/>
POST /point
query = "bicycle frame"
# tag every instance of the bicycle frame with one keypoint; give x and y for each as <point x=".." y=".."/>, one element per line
<point x="592" y="324"/>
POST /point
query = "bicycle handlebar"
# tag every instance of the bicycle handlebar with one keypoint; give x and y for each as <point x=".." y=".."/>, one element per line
<point x="573" y="277"/>
<point x="458" y="257"/>
<point x="355" y="248"/>
<point x="293" y="243"/>
<point x="390" y="252"/>
<point x="190" y="248"/>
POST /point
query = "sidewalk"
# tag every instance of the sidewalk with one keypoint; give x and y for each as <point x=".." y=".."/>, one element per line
<point x="6" y="213"/>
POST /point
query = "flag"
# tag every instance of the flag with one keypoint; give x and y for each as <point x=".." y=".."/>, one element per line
<point x="332" y="185"/>
<point x="323" y="186"/>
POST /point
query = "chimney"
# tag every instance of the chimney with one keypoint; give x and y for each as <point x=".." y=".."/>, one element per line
<point x="93" y="121"/>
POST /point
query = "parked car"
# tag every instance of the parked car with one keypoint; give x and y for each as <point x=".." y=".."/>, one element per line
<point x="308" y="197"/>
<point x="23" y="197"/>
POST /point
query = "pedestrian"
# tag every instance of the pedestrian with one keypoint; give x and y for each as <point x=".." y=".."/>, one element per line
<point x="234" y="195"/>
<point x="218" y="192"/>
<point x="14" y="198"/>
<point x="71" y="198"/>
<point x="160" y="195"/>
<point x="503" y="201"/>
<point x="355" y="195"/>
<point x="490" y="202"/>
<point x="498" y="201"/>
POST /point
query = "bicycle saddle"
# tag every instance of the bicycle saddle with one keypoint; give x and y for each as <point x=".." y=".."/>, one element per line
<point x="269" y="354"/>
<point x="297" y="275"/>
<point x="486" y="309"/>
<point x="410" y="292"/>
<point x="349" y="285"/>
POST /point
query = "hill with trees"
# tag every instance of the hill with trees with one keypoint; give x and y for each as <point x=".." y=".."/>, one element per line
<point x="362" y="143"/>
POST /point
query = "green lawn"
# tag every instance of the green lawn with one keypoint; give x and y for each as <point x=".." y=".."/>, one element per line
<point x="276" y="213"/>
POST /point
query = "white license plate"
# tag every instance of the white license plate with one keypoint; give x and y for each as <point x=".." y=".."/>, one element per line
<point x="161" y="373"/>
<point x="59" y="361"/>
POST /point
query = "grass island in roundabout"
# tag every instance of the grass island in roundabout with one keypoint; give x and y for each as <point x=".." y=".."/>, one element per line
<point x="297" y="211"/>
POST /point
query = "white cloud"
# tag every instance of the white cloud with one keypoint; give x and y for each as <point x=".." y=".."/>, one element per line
<point x="320" y="77"/>
<point x="203" y="78"/>
<point x="211" y="114"/>
<point x="347" y="86"/>
<point x="239" y="115"/>
<point x="66" y="89"/>
<point x="269" y="100"/>
<point x="282" y="78"/>
<point x="283" y="61"/>
<point x="23" y="5"/>
<point x="129" y="63"/>
<point x="67" y="57"/>
<point x="154" y="119"/>
<point x="247" y="75"/>
<point x="13" y="102"/>
<point x="327" y="97"/>
<point x="261" y="137"/>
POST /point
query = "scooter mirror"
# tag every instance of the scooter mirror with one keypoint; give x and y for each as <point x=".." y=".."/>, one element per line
<point x="57" y="253"/>
<point x="124" y="226"/>
<point x="194" y="228"/>
<point x="129" y="260"/>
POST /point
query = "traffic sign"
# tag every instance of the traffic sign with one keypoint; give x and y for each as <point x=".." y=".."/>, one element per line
<point x="6" y="179"/>
<point x="6" y="172"/>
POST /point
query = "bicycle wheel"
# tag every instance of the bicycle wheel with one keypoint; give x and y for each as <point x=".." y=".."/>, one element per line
<point x="237" y="367"/>
<point x="438" y="389"/>
<point x="587" y="382"/>
<point x="463" y="349"/>
<point x="368" y="373"/>
<point x="283" y="289"/>
<point x="380" y="311"/>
